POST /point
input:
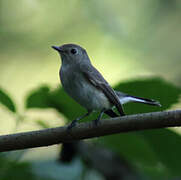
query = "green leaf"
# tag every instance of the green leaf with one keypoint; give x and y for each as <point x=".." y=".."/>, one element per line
<point x="7" y="101"/>
<point x="138" y="152"/>
<point x="153" y="152"/>
<point x="147" y="150"/>
<point x="153" y="88"/>
<point x="167" y="145"/>
<point x="39" y="98"/>
<point x="58" y="99"/>
<point x="12" y="168"/>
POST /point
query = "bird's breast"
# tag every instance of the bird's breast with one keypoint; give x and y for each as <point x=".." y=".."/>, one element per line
<point x="82" y="91"/>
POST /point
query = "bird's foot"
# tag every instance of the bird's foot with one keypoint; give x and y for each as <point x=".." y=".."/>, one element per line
<point x="72" y="124"/>
<point x="97" y="122"/>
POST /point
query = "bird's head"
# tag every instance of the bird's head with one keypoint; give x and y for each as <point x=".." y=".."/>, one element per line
<point x="72" y="53"/>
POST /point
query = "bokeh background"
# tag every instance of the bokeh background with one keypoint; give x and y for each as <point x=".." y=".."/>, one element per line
<point x="126" y="41"/>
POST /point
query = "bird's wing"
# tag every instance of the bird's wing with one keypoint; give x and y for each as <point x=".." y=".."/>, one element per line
<point x="95" y="78"/>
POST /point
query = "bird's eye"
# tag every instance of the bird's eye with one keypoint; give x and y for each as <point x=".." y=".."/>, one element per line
<point x="73" y="51"/>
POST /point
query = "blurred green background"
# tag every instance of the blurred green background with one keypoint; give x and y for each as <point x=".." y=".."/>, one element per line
<point x="134" y="44"/>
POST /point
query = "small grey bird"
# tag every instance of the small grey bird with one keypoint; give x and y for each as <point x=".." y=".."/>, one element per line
<point x="84" y="83"/>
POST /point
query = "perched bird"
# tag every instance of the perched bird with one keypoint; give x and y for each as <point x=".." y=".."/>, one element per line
<point x="84" y="83"/>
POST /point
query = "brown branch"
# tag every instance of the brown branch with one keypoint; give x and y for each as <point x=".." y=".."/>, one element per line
<point x="51" y="136"/>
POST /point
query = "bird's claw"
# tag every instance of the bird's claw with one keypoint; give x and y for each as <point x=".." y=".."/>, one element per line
<point x="72" y="124"/>
<point x="96" y="122"/>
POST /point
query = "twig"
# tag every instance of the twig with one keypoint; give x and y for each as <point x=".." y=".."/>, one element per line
<point x="51" y="136"/>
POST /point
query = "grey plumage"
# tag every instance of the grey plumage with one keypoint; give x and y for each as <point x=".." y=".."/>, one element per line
<point x="86" y="85"/>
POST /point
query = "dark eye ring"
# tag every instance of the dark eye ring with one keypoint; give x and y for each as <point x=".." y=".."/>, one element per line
<point x="73" y="51"/>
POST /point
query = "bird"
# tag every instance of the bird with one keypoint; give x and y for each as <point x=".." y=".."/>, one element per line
<point x="86" y="85"/>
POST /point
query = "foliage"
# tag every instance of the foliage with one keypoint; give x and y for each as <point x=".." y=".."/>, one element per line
<point x="7" y="101"/>
<point x="151" y="152"/>
<point x="142" y="34"/>
<point x="11" y="169"/>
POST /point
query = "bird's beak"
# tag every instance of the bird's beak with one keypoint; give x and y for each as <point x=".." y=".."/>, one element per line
<point x="57" y="48"/>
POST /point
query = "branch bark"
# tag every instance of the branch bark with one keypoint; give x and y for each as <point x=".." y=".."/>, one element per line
<point x="51" y="136"/>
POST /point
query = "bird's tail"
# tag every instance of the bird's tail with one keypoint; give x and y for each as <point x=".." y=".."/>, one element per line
<point x="125" y="98"/>
<point x="144" y="100"/>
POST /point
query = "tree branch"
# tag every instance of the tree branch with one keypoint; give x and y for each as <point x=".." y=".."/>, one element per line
<point x="51" y="136"/>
